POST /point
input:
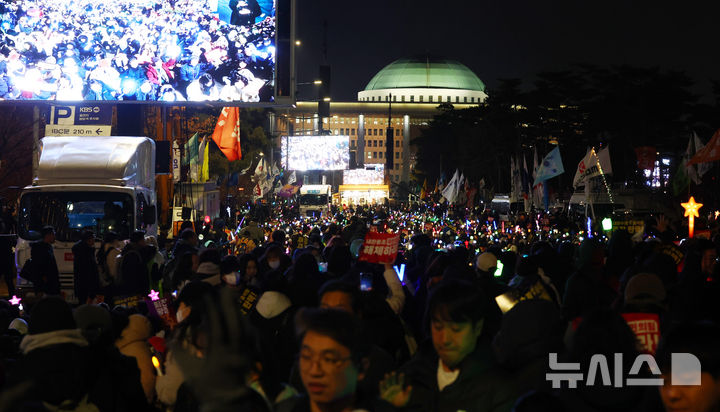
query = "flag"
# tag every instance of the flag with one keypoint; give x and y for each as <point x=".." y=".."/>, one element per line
<point x="593" y="164"/>
<point x="450" y="191"/>
<point x="437" y="188"/>
<point x="227" y="133"/>
<point x="538" y="189"/>
<point x="423" y="191"/>
<point x="293" y="178"/>
<point x="514" y="180"/>
<point x="260" y="169"/>
<point x="176" y="161"/>
<point x="646" y="157"/>
<point x="192" y="148"/>
<point x="681" y="180"/>
<point x="702" y="168"/>
<point x="709" y="153"/>
<point x="551" y="166"/>
<point x="204" y="174"/>
<point x="526" y="186"/>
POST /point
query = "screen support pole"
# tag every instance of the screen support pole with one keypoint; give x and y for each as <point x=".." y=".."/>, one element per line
<point x="36" y="139"/>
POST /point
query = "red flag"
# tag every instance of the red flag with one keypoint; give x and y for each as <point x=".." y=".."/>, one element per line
<point x="709" y="153"/>
<point x="646" y="157"/>
<point x="227" y="133"/>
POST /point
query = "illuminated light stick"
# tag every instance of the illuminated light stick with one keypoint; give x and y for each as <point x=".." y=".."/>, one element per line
<point x="153" y="295"/>
<point x="15" y="301"/>
<point x="156" y="364"/>
<point x="691" y="212"/>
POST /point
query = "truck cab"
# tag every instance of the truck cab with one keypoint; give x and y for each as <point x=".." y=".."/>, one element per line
<point x="314" y="200"/>
<point x="87" y="183"/>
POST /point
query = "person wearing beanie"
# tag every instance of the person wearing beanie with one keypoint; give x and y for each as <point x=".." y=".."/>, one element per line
<point x="485" y="265"/>
<point x="19" y="325"/>
<point x="55" y="355"/>
<point x="133" y="343"/>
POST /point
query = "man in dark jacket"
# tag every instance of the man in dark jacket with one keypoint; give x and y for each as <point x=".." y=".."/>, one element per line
<point x="85" y="268"/>
<point x="458" y="371"/>
<point x="43" y="256"/>
<point x="134" y="276"/>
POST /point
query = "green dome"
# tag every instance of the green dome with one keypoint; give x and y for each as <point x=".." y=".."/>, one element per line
<point x="426" y="72"/>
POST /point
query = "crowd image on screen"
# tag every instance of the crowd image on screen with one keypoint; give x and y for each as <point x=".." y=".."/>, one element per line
<point x="144" y="50"/>
<point x="317" y="153"/>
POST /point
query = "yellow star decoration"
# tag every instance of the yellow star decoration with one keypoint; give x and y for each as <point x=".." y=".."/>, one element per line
<point x="691" y="207"/>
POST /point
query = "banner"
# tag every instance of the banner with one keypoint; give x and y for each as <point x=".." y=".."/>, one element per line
<point x="380" y="247"/>
<point x="227" y="133"/>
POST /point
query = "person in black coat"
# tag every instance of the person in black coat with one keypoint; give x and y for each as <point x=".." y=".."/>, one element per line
<point x="43" y="256"/>
<point x="85" y="268"/>
<point x="134" y="276"/>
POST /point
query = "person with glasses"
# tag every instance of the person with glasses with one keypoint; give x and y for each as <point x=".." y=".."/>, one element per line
<point x="331" y="362"/>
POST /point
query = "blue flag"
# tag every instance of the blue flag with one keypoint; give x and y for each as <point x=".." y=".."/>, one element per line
<point x="550" y="167"/>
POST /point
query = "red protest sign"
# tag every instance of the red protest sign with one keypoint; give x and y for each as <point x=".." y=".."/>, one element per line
<point x="647" y="329"/>
<point x="380" y="247"/>
<point x="161" y="308"/>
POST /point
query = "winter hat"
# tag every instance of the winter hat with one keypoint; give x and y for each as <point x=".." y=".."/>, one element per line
<point x="19" y="325"/>
<point x="92" y="317"/>
<point x="645" y="288"/>
<point x="486" y="261"/>
<point x="51" y="314"/>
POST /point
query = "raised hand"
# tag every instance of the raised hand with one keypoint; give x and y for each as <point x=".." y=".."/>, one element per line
<point x="394" y="391"/>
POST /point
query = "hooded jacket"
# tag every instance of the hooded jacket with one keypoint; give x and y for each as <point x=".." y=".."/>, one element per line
<point x="133" y="343"/>
<point x="480" y="386"/>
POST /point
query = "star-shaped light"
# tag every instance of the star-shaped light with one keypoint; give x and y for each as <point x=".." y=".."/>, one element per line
<point x="153" y="295"/>
<point x="15" y="300"/>
<point x="691" y="207"/>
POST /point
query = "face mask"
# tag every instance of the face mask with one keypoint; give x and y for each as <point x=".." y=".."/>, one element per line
<point x="231" y="278"/>
<point x="274" y="264"/>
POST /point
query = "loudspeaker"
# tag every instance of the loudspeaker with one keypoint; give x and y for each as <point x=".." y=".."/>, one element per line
<point x="162" y="157"/>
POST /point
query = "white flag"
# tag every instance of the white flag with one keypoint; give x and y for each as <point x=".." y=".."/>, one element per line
<point x="261" y="168"/>
<point x="702" y="168"/>
<point x="293" y="178"/>
<point x="593" y="164"/>
<point x="450" y="191"/>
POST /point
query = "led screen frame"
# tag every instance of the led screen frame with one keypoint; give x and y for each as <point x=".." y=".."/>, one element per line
<point x="305" y="152"/>
<point x="93" y="56"/>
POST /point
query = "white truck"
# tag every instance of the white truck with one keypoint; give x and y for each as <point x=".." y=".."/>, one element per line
<point x="87" y="183"/>
<point x="314" y="200"/>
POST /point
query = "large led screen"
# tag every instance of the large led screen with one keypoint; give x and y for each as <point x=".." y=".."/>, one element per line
<point x="141" y="50"/>
<point x="370" y="175"/>
<point x="316" y="152"/>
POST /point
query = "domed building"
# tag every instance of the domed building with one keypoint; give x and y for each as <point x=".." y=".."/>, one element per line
<point x="424" y="79"/>
<point x="411" y="89"/>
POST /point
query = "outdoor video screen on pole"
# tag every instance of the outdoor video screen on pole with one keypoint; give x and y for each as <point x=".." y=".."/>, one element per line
<point x="137" y="50"/>
<point x="315" y="152"/>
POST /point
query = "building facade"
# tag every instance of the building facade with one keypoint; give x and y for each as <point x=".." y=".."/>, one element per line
<point x="404" y="95"/>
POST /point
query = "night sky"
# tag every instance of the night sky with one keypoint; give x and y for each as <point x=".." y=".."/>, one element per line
<point x="506" y="39"/>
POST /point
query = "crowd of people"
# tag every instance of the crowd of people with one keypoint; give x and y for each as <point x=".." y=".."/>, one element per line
<point x="474" y="314"/>
<point x="316" y="153"/>
<point x="178" y="50"/>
